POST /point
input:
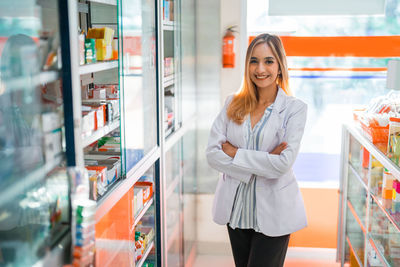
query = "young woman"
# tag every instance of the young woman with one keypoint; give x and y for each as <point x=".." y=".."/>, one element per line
<point x="254" y="142"/>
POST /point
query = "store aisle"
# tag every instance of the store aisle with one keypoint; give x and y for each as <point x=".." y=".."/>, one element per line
<point x="296" y="257"/>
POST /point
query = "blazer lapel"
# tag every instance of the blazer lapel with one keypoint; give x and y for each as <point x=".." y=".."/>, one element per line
<point x="274" y="122"/>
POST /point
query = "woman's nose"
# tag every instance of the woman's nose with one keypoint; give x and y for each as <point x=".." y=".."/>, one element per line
<point x="260" y="68"/>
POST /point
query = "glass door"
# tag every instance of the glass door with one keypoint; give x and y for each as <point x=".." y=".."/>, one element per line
<point x="34" y="199"/>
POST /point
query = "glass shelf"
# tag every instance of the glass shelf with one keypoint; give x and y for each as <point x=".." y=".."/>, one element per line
<point x="390" y="209"/>
<point x="363" y="179"/>
<point x="99" y="66"/>
<point x="28" y="181"/>
<point x="168" y="25"/>
<point x="100" y="133"/>
<point x="384" y="233"/>
<point x="378" y="253"/>
<point x="169" y="80"/>
<point x="144" y="257"/>
<point x="356" y="252"/>
<point x="106" y="2"/>
<point x="142" y="212"/>
<point x="30" y="81"/>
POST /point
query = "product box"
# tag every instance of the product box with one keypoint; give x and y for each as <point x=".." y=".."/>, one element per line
<point x="138" y="200"/>
<point x="52" y="145"/>
<point x="81" y="49"/>
<point x="100" y="116"/>
<point x="88" y="122"/>
<point x="147" y="188"/>
<point x="90" y="51"/>
<point x="105" y="33"/>
<point x="53" y="92"/>
<point x="113" y="169"/>
<point x="101" y="171"/>
<point x="99" y="93"/>
<point x="51" y="121"/>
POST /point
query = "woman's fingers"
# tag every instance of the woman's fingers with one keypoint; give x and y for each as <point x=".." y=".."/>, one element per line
<point x="279" y="148"/>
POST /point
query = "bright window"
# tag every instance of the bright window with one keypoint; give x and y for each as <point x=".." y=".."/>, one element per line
<point x="330" y="75"/>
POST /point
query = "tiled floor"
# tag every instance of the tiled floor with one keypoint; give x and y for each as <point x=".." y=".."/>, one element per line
<point x="296" y="257"/>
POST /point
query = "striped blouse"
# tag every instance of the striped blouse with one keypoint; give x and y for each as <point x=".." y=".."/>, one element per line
<point x="244" y="213"/>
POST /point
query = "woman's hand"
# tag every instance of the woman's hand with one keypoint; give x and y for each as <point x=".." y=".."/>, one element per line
<point x="279" y="148"/>
<point x="229" y="149"/>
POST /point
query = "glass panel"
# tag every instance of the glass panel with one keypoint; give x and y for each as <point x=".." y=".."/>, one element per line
<point x="173" y="158"/>
<point x="385" y="235"/>
<point x="174" y="239"/>
<point x="355" y="235"/>
<point x="173" y="178"/>
<point x="357" y="195"/>
<point x="34" y="200"/>
<point x="172" y="67"/>
<point x="139" y="78"/>
<point x="188" y="48"/>
<point x="189" y="195"/>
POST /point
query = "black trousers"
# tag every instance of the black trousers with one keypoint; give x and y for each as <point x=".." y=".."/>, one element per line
<point x="253" y="249"/>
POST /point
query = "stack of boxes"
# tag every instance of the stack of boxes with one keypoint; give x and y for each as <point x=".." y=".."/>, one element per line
<point x="84" y="241"/>
<point x="103" y="164"/>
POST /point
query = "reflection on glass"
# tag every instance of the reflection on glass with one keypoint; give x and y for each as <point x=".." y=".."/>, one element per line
<point x="139" y="78"/>
<point x="355" y="235"/>
<point x="384" y="234"/>
<point x="34" y="221"/>
<point x="34" y="204"/>
<point x="189" y="193"/>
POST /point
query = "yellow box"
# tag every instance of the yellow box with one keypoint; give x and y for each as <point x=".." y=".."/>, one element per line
<point x="101" y="33"/>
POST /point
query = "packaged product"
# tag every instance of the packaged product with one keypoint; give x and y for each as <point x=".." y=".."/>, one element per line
<point x="90" y="51"/>
<point x="393" y="149"/>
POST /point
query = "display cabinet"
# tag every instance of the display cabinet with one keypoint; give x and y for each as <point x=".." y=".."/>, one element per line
<point x="368" y="228"/>
<point x="34" y="186"/>
<point x="97" y="85"/>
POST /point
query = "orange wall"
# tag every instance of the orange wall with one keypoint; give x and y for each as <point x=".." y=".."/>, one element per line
<point x="322" y="207"/>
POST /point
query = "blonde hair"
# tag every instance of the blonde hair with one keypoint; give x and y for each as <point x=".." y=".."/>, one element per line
<point x="246" y="99"/>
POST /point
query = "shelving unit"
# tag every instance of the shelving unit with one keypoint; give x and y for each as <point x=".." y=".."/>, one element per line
<point x="139" y="74"/>
<point x="380" y="226"/>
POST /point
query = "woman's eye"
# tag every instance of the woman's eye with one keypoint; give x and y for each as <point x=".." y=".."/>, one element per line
<point x="269" y="62"/>
<point x="253" y="61"/>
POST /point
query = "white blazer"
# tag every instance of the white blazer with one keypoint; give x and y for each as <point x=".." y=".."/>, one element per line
<point x="280" y="207"/>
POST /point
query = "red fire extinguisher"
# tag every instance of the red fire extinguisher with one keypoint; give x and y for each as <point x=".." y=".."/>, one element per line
<point x="228" y="50"/>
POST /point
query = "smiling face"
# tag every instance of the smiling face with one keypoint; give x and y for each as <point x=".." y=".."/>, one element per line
<point x="263" y="67"/>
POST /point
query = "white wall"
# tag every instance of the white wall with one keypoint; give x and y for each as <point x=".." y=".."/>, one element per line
<point x="234" y="12"/>
<point x="214" y="83"/>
